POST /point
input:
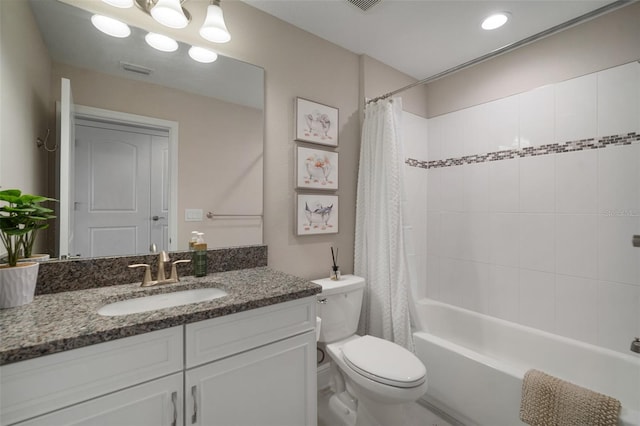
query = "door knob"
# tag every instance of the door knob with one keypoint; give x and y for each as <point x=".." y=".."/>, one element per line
<point x="157" y="218"/>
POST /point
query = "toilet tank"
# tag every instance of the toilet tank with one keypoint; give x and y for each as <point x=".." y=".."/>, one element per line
<point x="339" y="307"/>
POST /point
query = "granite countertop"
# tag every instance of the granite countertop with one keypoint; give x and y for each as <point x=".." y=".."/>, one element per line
<point x="69" y="320"/>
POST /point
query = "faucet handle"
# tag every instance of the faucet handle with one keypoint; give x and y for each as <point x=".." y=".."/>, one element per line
<point x="174" y="270"/>
<point x="146" y="280"/>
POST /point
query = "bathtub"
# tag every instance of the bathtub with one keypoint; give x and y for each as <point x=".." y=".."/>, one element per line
<point x="476" y="363"/>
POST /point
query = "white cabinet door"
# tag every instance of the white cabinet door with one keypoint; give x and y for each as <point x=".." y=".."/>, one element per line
<point x="156" y="403"/>
<point x="274" y="385"/>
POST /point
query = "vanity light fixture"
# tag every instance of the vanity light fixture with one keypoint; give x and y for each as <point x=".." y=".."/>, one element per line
<point x="169" y="13"/>
<point x="111" y="26"/>
<point x="494" y="21"/>
<point x="122" y="4"/>
<point x="203" y="55"/>
<point x="161" y="42"/>
<point x="214" y="29"/>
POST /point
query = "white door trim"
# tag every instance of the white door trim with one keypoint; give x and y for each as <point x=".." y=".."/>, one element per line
<point x="99" y="114"/>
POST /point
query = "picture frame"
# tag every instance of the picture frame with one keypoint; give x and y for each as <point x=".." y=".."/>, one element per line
<point x="316" y="214"/>
<point x="316" y="123"/>
<point x="316" y="169"/>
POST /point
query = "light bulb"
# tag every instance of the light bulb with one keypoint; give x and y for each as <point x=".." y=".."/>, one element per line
<point x="214" y="29"/>
<point x="161" y="42"/>
<point x="203" y="55"/>
<point x="169" y="13"/>
<point x="111" y="26"/>
<point x="122" y="4"/>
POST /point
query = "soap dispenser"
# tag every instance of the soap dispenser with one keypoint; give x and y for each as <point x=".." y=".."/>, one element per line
<point x="200" y="256"/>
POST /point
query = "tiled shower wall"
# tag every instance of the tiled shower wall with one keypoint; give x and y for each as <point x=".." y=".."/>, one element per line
<point x="531" y="202"/>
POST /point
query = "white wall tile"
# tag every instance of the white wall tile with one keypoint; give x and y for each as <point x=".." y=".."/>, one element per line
<point x="476" y="139"/>
<point x="504" y="230"/>
<point x="537" y="184"/>
<point x="434" y="189"/>
<point x="452" y="135"/>
<point x="576" y="109"/>
<point x="537" y="242"/>
<point x="618" y="315"/>
<point x="475" y="286"/>
<point x="617" y="100"/>
<point x="476" y="241"/>
<point x="618" y="179"/>
<point x="452" y="225"/>
<point x="434" y="245"/>
<point x="475" y="193"/>
<point x="502" y="124"/>
<point x="452" y="179"/>
<point x="577" y="301"/>
<point x="435" y="138"/>
<point x="577" y="182"/>
<point x="617" y="259"/>
<point x="432" y="287"/>
<point x="577" y="245"/>
<point x="451" y="279"/>
<point x="504" y="186"/>
<point x="537" y="117"/>
<point x="537" y="307"/>
<point x="504" y="292"/>
<point x="414" y="136"/>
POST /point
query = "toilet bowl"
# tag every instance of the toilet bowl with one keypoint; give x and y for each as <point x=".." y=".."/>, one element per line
<point x="372" y="379"/>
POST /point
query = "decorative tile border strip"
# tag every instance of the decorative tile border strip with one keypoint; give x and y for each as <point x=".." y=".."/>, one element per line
<point x="554" y="148"/>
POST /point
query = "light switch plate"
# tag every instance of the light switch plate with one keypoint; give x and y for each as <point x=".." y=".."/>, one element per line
<point x="193" y="215"/>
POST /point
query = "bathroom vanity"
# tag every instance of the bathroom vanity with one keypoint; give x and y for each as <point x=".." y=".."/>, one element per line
<point x="247" y="358"/>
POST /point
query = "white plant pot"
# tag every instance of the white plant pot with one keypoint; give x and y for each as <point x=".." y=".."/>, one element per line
<point x="36" y="258"/>
<point x="18" y="284"/>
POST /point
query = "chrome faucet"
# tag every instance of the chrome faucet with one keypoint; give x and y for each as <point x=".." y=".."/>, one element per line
<point x="163" y="257"/>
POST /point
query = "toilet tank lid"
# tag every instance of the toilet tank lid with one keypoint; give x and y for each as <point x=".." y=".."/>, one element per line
<point x="346" y="283"/>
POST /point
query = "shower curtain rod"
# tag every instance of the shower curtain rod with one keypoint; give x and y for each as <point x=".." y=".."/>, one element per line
<point x="589" y="15"/>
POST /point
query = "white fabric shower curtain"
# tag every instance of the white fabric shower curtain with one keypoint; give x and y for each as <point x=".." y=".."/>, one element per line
<point x="380" y="255"/>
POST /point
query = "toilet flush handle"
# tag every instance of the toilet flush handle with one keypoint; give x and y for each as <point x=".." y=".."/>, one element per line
<point x="322" y="301"/>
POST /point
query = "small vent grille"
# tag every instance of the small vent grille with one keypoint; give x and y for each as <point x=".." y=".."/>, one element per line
<point x="364" y="5"/>
<point x="139" y="69"/>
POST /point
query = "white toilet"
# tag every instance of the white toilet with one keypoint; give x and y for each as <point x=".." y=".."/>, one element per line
<point x="372" y="379"/>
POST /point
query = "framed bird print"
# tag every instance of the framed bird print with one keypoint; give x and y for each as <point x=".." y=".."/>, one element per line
<point x="316" y="169"/>
<point x="316" y="123"/>
<point x="316" y="214"/>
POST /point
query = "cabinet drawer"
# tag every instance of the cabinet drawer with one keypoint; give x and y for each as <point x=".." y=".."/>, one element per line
<point x="155" y="403"/>
<point x="220" y="337"/>
<point x="51" y="382"/>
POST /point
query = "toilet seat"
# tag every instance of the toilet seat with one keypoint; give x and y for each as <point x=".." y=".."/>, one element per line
<point x="384" y="362"/>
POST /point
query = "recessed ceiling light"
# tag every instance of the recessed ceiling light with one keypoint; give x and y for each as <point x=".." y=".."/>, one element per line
<point x="161" y="42"/>
<point x="203" y="55"/>
<point x="111" y="26"/>
<point x="495" y="21"/>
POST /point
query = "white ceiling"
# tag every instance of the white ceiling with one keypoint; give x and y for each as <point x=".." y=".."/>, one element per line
<point x="423" y="37"/>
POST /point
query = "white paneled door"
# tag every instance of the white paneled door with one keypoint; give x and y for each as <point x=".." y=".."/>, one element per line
<point x="121" y="204"/>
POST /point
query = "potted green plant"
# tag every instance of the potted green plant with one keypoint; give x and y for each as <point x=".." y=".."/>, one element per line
<point x="21" y="216"/>
<point x="34" y="222"/>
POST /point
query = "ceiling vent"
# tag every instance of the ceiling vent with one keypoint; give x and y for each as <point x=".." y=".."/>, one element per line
<point x="139" y="69"/>
<point x="364" y="5"/>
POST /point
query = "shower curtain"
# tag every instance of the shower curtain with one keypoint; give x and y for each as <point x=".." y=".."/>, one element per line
<point x="380" y="255"/>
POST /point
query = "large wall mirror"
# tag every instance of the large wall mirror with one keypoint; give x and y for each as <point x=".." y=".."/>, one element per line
<point x="164" y="145"/>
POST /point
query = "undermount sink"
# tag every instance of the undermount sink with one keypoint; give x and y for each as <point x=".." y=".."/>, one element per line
<point x="160" y="301"/>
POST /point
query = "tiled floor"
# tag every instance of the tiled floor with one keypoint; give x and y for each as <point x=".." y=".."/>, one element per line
<point x="418" y="415"/>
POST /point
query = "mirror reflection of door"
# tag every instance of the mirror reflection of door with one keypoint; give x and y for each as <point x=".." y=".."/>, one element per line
<point x="122" y="187"/>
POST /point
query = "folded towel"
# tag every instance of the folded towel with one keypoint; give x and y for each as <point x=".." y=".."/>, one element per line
<point x="549" y="401"/>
